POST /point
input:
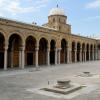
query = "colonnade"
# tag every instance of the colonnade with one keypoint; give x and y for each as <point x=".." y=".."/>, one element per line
<point x="82" y="56"/>
<point x="16" y="53"/>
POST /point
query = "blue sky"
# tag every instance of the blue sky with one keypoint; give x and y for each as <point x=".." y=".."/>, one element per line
<point x="83" y="15"/>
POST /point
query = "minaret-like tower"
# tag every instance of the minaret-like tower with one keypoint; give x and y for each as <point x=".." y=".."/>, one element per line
<point x="58" y="20"/>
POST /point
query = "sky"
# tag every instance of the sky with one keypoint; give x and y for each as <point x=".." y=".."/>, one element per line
<point x="83" y="15"/>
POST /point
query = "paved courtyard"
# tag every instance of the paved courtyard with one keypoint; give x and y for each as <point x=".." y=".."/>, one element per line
<point x="14" y="83"/>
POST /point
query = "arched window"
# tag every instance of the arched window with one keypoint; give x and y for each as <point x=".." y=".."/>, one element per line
<point x="53" y="19"/>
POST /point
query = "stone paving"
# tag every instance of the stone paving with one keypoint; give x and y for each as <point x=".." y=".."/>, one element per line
<point x="14" y="83"/>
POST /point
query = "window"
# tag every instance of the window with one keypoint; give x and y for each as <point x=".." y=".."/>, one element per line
<point x="53" y="19"/>
<point x="59" y="19"/>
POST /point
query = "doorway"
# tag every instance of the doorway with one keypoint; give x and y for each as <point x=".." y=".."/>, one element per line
<point x="29" y="58"/>
<point x="1" y="59"/>
<point x="52" y="57"/>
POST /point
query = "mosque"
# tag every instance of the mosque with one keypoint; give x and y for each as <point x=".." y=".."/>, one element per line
<point x="29" y="45"/>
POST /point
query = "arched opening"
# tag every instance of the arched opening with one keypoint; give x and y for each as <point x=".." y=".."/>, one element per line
<point x="73" y="51"/>
<point x="63" y="57"/>
<point x="30" y="51"/>
<point x="78" y="51"/>
<point x="87" y="52"/>
<point x="15" y="42"/>
<point x="52" y="52"/>
<point x="2" y="40"/>
<point x="42" y="51"/>
<point x="83" y="52"/>
<point x="91" y="52"/>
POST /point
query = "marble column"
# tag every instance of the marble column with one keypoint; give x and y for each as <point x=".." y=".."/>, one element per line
<point x="96" y="53"/>
<point x="93" y="55"/>
<point x="75" y="55"/>
<point x="48" y="56"/>
<point x="11" y="54"/>
<point x="85" y="55"/>
<point x="68" y="60"/>
<point x="36" y="57"/>
<point x="80" y="55"/>
<point x="23" y="57"/>
<point x="5" y="57"/>
<point x="20" y="58"/>
<point x="70" y="55"/>
<point x="89" y="55"/>
<point x="59" y="50"/>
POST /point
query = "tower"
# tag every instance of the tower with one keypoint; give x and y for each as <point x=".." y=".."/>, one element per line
<point x="58" y="20"/>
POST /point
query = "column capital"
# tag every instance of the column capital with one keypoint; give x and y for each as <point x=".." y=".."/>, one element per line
<point x="22" y="48"/>
<point x="6" y="47"/>
<point x="69" y="49"/>
<point x="56" y="49"/>
<point x="36" y="49"/>
<point x="75" y="50"/>
<point x="59" y="49"/>
<point x="48" y="49"/>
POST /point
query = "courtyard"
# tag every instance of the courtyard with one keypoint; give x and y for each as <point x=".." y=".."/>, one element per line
<point x="14" y="83"/>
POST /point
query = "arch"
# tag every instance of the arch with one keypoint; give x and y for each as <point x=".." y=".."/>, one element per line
<point x="42" y="51"/>
<point x="56" y="41"/>
<point x="73" y="51"/>
<point x="52" y="51"/>
<point x="18" y="34"/>
<point x="3" y="33"/>
<point x="15" y="43"/>
<point x="2" y="44"/>
<point x="30" y="44"/>
<point x="63" y="57"/>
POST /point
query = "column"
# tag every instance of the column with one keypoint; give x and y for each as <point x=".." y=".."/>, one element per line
<point x="23" y="57"/>
<point x="68" y="60"/>
<point x="75" y="55"/>
<point x="75" y="50"/>
<point x="36" y="57"/>
<point x="59" y="50"/>
<point x="70" y="55"/>
<point x="85" y="55"/>
<point x="89" y="54"/>
<point x="96" y="53"/>
<point x="80" y="55"/>
<point x="48" y="56"/>
<point x="11" y="54"/>
<point x="56" y="56"/>
<point x="5" y="58"/>
<point x="93" y="55"/>
<point x="20" y="58"/>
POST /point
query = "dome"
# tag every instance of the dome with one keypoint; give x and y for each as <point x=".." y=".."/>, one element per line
<point x="56" y="11"/>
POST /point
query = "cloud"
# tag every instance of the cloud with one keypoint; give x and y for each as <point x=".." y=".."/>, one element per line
<point x="95" y="4"/>
<point x="21" y="6"/>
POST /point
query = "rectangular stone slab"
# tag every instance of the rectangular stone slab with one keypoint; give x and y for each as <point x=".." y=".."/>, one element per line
<point x="63" y="91"/>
